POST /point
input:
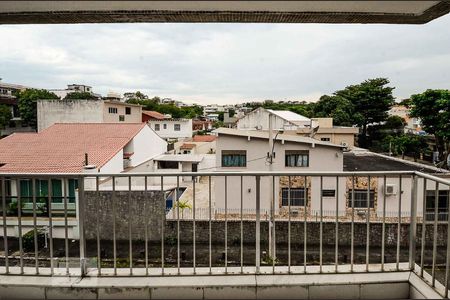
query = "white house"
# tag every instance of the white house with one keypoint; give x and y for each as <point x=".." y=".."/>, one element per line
<point x="172" y="129"/>
<point x="258" y="119"/>
<point x="73" y="88"/>
<point x="73" y="149"/>
<point x="246" y="150"/>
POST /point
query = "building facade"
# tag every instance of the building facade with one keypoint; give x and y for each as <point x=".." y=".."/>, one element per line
<point x="50" y="112"/>
<point x="172" y="129"/>
<point x="239" y="150"/>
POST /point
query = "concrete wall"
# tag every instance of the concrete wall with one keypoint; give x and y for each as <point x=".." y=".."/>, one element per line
<point x="394" y="285"/>
<point x="320" y="159"/>
<point x="144" y="208"/>
<point x="50" y="112"/>
<point x="169" y="132"/>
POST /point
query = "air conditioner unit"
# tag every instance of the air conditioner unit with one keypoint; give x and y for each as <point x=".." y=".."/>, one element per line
<point x="391" y="189"/>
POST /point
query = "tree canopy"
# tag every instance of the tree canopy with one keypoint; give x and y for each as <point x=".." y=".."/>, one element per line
<point x="175" y="111"/>
<point x="27" y="104"/>
<point x="80" y="96"/>
<point x="5" y="115"/>
<point x="371" y="101"/>
<point x="433" y="109"/>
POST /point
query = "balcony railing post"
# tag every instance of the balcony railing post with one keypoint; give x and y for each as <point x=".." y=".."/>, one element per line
<point x="258" y="232"/>
<point x="81" y="212"/>
<point x="413" y="226"/>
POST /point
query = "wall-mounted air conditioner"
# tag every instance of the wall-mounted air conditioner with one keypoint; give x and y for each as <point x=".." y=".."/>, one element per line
<point x="391" y="189"/>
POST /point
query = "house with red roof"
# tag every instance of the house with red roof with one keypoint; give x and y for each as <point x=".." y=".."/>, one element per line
<point x="75" y="148"/>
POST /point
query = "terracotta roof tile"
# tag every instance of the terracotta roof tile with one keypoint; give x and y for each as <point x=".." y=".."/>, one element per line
<point x="187" y="146"/>
<point x="204" y="138"/>
<point x="61" y="147"/>
<point x="154" y="114"/>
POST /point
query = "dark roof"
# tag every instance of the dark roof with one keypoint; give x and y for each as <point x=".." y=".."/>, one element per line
<point x="373" y="162"/>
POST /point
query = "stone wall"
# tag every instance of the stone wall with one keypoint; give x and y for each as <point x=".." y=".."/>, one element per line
<point x="297" y="236"/>
<point x="146" y="207"/>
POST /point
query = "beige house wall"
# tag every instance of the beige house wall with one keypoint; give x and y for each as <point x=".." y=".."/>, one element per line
<point x="134" y="117"/>
<point x="321" y="158"/>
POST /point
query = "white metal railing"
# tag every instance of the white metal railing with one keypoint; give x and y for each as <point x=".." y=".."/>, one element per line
<point x="289" y="253"/>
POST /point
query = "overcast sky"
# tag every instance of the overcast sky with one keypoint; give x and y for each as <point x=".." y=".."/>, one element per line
<point x="227" y="63"/>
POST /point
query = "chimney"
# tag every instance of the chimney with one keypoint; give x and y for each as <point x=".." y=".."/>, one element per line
<point x="90" y="182"/>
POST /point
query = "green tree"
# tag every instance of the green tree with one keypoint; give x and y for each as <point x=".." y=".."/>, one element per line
<point x="336" y="107"/>
<point x="220" y="113"/>
<point x="395" y="124"/>
<point x="433" y="109"/>
<point x="410" y="144"/>
<point x="5" y="115"/>
<point x="371" y="100"/>
<point x="405" y="102"/>
<point x="27" y="104"/>
<point x="80" y="96"/>
<point x="217" y="124"/>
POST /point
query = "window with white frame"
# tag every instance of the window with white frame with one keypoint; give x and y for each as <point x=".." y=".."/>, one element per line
<point x="297" y="196"/>
<point x="360" y="200"/>
<point x="157" y="127"/>
<point x="176" y="127"/>
<point x="112" y="110"/>
<point x="295" y="158"/>
<point x="165" y="126"/>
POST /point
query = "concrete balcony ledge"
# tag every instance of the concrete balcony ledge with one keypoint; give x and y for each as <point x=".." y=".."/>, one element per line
<point x="379" y="285"/>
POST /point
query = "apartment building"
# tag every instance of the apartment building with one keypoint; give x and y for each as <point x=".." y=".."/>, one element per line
<point x="7" y="98"/>
<point x="50" y="112"/>
<point x="412" y="124"/>
<point x="74" y="88"/>
<point x="325" y="131"/>
<point x="288" y="122"/>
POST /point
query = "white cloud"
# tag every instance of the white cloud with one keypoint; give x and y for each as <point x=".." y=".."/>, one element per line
<point x="227" y="62"/>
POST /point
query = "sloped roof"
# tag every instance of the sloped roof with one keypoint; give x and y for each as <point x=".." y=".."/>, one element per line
<point x="280" y="137"/>
<point x="187" y="146"/>
<point x="204" y="138"/>
<point x="289" y="115"/>
<point x="61" y="148"/>
<point x="153" y="114"/>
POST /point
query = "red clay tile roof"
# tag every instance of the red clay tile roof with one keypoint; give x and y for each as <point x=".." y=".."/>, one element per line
<point x="187" y="146"/>
<point x="204" y="138"/>
<point x="61" y="147"/>
<point x="153" y="114"/>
